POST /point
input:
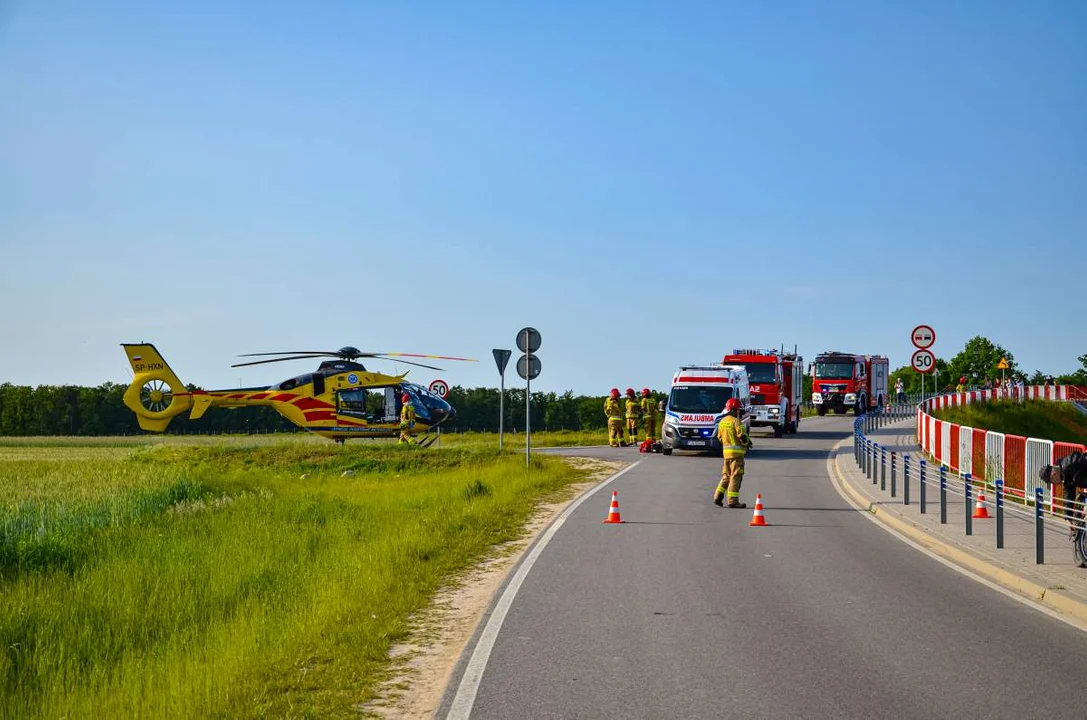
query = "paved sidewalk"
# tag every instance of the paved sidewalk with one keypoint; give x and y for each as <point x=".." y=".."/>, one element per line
<point x="1057" y="583"/>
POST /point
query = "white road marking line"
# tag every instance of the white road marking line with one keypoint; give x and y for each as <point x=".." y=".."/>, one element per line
<point x="831" y="471"/>
<point x="461" y="707"/>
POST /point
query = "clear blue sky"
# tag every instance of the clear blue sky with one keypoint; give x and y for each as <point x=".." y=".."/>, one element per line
<point x="648" y="184"/>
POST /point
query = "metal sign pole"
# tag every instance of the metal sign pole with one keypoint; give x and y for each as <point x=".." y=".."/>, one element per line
<point x="501" y="357"/>
<point x="528" y="397"/>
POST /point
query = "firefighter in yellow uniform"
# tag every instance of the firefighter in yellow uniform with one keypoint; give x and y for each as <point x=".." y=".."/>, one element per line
<point x="649" y="415"/>
<point x="407" y="419"/>
<point x="614" y="412"/>
<point x="634" y="413"/>
<point x="734" y="445"/>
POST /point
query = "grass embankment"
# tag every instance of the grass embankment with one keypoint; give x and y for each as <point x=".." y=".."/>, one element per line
<point x="206" y="577"/>
<point x="1041" y="419"/>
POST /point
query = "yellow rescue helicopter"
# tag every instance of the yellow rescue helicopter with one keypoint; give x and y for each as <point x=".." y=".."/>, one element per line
<point x="341" y="399"/>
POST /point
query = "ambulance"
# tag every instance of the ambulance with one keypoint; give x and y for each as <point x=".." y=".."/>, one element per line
<point x="696" y="403"/>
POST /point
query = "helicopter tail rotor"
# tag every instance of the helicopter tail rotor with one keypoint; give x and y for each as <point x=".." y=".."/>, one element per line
<point x="155" y="394"/>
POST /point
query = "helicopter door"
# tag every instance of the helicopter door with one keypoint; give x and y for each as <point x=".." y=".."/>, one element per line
<point x="318" y="385"/>
<point x="392" y="405"/>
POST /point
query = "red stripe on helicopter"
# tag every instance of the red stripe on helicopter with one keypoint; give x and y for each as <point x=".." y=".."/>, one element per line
<point x="315" y="415"/>
<point x="284" y="397"/>
<point x="307" y="403"/>
<point x="259" y="396"/>
<point x="235" y="396"/>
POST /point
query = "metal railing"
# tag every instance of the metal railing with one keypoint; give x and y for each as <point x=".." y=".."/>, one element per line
<point x="907" y="469"/>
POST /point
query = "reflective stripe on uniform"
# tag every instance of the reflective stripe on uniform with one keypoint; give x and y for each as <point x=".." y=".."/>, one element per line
<point x="732" y="494"/>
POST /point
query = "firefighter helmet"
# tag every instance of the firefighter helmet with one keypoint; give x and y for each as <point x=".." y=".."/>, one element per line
<point x="645" y="392"/>
<point x="615" y="392"/>
<point x="405" y="398"/>
<point x="630" y="392"/>
<point x="732" y="404"/>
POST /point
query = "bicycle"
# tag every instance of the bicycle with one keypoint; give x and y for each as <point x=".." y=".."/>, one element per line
<point x="1079" y="530"/>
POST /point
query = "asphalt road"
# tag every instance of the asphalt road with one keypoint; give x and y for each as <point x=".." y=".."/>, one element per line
<point x="686" y="611"/>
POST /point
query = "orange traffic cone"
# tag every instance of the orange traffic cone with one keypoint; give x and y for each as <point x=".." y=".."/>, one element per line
<point x="758" y="519"/>
<point x="613" y="512"/>
<point x="979" y="508"/>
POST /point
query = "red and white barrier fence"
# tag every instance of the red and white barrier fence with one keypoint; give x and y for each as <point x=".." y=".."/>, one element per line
<point x="987" y="455"/>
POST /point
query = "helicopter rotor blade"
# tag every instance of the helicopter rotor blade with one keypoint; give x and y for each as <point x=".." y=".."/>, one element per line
<point x="407" y="362"/>
<point x="432" y="357"/>
<point x="262" y="362"/>
<point x="299" y="352"/>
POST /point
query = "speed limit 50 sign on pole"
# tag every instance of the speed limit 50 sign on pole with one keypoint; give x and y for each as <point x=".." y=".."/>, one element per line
<point x="923" y="361"/>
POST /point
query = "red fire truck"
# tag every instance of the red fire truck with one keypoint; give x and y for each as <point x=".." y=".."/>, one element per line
<point x="842" y="380"/>
<point x="777" y="382"/>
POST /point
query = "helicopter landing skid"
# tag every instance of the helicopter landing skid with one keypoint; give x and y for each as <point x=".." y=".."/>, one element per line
<point x="427" y="441"/>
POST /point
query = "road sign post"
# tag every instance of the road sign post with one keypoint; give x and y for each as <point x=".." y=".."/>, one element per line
<point x="923" y="337"/>
<point x="501" y="357"/>
<point x="528" y="367"/>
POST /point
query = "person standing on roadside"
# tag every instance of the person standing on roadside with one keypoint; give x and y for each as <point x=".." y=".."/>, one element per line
<point x="634" y="412"/>
<point x="734" y="446"/>
<point x="900" y="392"/>
<point x="649" y="417"/>
<point x="613" y="410"/>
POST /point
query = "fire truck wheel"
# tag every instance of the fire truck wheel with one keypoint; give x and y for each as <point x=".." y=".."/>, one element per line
<point x="821" y="411"/>
<point x="666" y="451"/>
<point x="777" y="430"/>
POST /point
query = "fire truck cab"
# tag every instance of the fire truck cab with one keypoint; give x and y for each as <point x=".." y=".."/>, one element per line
<point x="696" y="403"/>
<point x="776" y="381"/>
<point x="841" y="381"/>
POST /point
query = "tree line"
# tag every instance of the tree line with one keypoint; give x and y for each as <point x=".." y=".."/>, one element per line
<point x="75" y="410"/>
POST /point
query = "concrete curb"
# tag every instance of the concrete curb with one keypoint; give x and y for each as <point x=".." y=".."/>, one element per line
<point x="1052" y="599"/>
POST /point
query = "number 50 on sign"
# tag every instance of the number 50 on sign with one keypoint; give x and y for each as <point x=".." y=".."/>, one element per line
<point x="923" y="361"/>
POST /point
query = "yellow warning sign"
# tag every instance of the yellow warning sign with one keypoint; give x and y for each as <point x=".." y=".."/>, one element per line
<point x="1003" y="364"/>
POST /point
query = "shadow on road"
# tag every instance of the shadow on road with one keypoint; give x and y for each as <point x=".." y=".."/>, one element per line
<point x="654" y="522"/>
<point x="822" y="434"/>
<point x="761" y="453"/>
<point x="797" y="525"/>
<point x="815" y="509"/>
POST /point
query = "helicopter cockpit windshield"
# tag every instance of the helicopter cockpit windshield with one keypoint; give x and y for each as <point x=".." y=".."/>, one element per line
<point x="428" y="406"/>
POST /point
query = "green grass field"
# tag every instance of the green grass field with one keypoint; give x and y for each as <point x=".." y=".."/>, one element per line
<point x="1034" y="418"/>
<point x="182" y="577"/>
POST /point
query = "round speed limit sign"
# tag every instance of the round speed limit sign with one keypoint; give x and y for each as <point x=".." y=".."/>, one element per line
<point x="923" y="361"/>
<point x="439" y="388"/>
